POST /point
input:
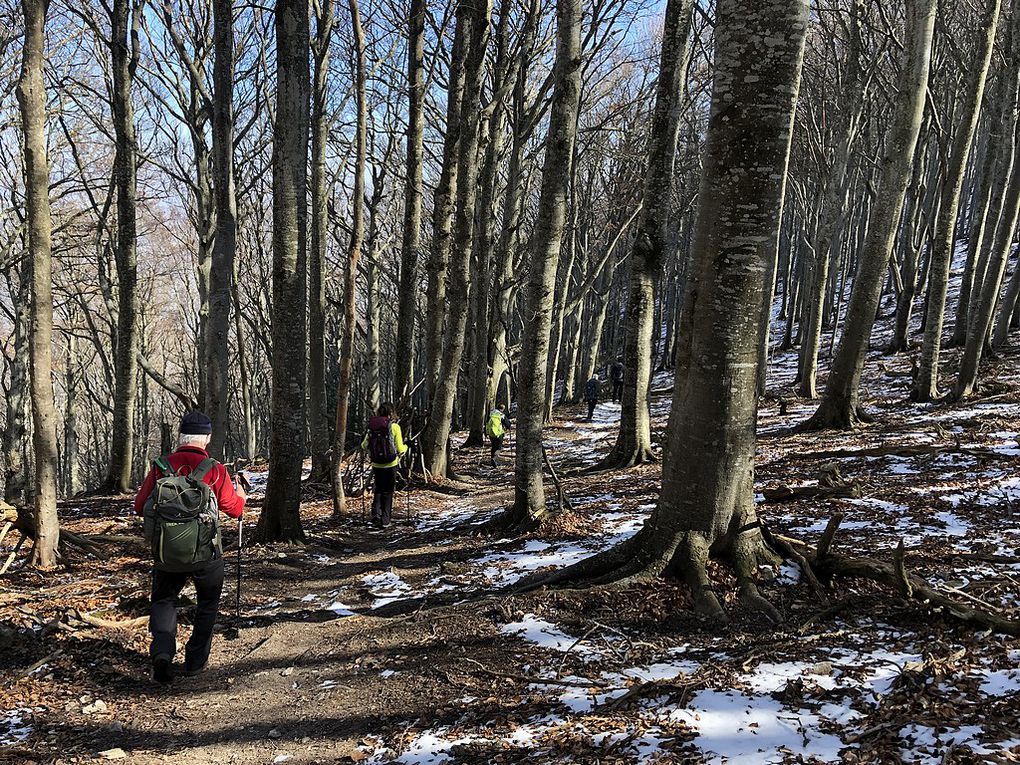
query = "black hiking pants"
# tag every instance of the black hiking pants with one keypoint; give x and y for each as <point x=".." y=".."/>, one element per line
<point x="166" y="587"/>
<point x="382" y="500"/>
<point x="617" y="391"/>
<point x="496" y="442"/>
<point x="591" y="407"/>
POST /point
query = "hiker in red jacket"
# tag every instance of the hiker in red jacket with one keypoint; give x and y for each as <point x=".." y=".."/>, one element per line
<point x="191" y="457"/>
<point x="385" y="444"/>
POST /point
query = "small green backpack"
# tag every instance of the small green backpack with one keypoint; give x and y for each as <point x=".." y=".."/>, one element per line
<point x="182" y="519"/>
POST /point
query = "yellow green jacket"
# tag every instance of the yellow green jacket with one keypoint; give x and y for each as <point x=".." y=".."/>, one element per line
<point x="398" y="439"/>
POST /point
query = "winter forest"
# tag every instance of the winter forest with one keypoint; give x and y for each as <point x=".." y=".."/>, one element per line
<point x="509" y="381"/>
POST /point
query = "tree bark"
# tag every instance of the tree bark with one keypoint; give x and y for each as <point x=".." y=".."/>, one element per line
<point x="840" y="405"/>
<point x="317" y="417"/>
<point x="545" y="245"/>
<point x="927" y="383"/>
<point x="706" y="505"/>
<point x="15" y="429"/>
<point x="409" y="255"/>
<point x="474" y="18"/>
<point x="351" y="266"/>
<point x="32" y="99"/>
<point x="634" y="439"/>
<point x="281" y="512"/>
<point x="217" y="360"/>
<point x="124" y="53"/>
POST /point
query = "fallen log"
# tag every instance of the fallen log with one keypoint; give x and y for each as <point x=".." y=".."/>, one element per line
<point x="901" y="450"/>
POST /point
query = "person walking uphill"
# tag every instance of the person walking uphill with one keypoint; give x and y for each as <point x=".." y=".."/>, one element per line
<point x="495" y="428"/>
<point x="180" y="501"/>
<point x="591" y="394"/>
<point x="385" y="444"/>
<point x="616" y="376"/>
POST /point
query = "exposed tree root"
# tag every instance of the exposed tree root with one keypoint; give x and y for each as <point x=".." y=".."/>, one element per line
<point x="832" y="415"/>
<point x="624" y="458"/>
<point x="828" y="566"/>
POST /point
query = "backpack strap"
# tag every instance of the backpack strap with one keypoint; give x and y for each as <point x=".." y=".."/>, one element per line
<point x="163" y="466"/>
<point x="203" y="468"/>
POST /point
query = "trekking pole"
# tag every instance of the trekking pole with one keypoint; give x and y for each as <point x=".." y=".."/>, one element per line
<point x="240" y="541"/>
<point x="364" y="490"/>
<point x="234" y="632"/>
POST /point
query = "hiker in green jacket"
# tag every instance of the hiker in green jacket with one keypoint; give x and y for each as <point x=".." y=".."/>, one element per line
<point x="496" y="428"/>
<point x="385" y="444"/>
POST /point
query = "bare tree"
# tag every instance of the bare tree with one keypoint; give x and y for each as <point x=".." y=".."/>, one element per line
<point x="545" y="244"/>
<point x="840" y="405"/>
<point x="634" y="439"/>
<point x="706" y="504"/>
<point x="32" y="99"/>
<point x="281" y="514"/>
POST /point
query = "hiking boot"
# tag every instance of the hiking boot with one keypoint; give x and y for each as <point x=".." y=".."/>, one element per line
<point x="192" y="671"/>
<point x="162" y="670"/>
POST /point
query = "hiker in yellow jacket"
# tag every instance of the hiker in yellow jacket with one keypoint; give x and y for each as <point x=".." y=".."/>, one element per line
<point x="385" y="444"/>
<point x="495" y="428"/>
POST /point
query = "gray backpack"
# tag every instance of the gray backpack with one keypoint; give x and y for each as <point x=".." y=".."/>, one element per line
<point x="182" y="519"/>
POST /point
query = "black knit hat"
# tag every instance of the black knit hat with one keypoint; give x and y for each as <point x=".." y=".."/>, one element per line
<point x="196" y="424"/>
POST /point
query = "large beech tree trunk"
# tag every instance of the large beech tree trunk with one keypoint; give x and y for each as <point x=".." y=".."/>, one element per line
<point x="124" y="53"/>
<point x="281" y="512"/>
<point x="444" y="207"/>
<point x="546" y="241"/>
<point x="634" y="439"/>
<point x="317" y="417"/>
<point x="474" y="19"/>
<point x="840" y="405"/>
<point x="408" y="303"/>
<point x="32" y="99"/>
<point x="343" y="398"/>
<point x="706" y="504"/>
<point x="926" y="384"/>
<point x="217" y="349"/>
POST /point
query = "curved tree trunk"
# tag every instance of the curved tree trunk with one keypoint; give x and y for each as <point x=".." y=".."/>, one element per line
<point x="634" y="439"/>
<point x="32" y="99"/>
<point x="927" y="383"/>
<point x="840" y="406"/>
<point x="280" y="520"/>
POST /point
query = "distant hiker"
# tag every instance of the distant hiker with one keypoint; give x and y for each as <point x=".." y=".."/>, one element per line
<point x="495" y="428"/>
<point x="180" y="501"/>
<point x="385" y="445"/>
<point x="616" y="377"/>
<point x="591" y="394"/>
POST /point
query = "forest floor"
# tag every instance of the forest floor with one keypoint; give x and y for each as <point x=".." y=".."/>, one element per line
<point x="397" y="646"/>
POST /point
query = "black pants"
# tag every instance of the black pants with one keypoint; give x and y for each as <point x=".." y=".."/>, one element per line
<point x="617" y="390"/>
<point x="166" y="587"/>
<point x="591" y="407"/>
<point x="496" y="442"/>
<point x="382" y="500"/>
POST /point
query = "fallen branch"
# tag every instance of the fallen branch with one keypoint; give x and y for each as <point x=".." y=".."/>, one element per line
<point x="561" y="496"/>
<point x="895" y="576"/>
<point x="925" y="450"/>
<point x="785" y="493"/>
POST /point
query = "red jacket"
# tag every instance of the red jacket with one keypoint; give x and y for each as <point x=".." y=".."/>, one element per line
<point x="186" y="459"/>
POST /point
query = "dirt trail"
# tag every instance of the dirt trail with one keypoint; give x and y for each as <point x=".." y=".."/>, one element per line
<point x="395" y="646"/>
